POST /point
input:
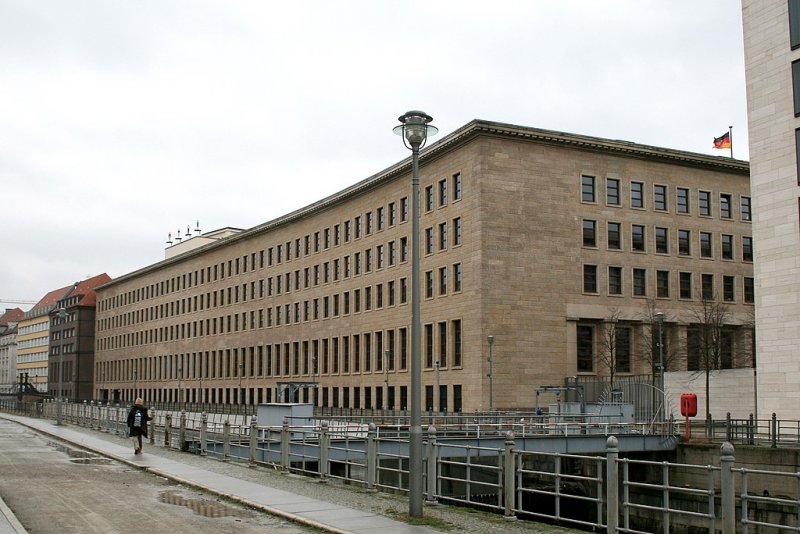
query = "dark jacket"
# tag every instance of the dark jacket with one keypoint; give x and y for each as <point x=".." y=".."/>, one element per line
<point x="138" y="431"/>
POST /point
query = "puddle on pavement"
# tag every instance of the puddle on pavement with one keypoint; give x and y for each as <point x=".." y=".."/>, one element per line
<point x="203" y="507"/>
<point x="78" y="456"/>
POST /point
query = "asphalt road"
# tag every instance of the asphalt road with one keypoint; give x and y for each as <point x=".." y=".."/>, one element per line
<point x="54" y="488"/>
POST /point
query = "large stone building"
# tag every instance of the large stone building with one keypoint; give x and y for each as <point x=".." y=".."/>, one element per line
<point x="772" y="61"/>
<point x="33" y="340"/>
<point x="8" y="348"/>
<point x="544" y="240"/>
<point x="72" y="326"/>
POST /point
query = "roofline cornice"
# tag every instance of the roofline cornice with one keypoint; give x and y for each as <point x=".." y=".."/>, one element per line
<point x="472" y="130"/>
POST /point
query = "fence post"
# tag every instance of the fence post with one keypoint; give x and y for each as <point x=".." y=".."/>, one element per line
<point x="118" y="421"/>
<point x="203" y="436"/>
<point x="285" y="444"/>
<point x="751" y="431"/>
<point x="168" y="430"/>
<point x="509" y="476"/>
<point x="728" y="501"/>
<point x="372" y="456"/>
<point x="183" y="443"/>
<point x="152" y="428"/>
<point x="728" y="430"/>
<point x="774" y="430"/>
<point x="253" y="441"/>
<point x="432" y="459"/>
<point x="324" y="450"/>
<point x="709" y="426"/>
<point x="226" y="440"/>
<point x="612" y="485"/>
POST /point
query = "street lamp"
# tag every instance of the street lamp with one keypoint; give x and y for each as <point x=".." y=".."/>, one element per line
<point x="241" y="372"/>
<point x="414" y="130"/>
<point x="386" y="379"/>
<point x="438" y="395"/>
<point x="490" y="339"/>
<point x="660" y="322"/>
<point x="62" y="315"/>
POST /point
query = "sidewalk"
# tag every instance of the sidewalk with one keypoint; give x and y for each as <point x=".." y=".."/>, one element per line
<point x="328" y="507"/>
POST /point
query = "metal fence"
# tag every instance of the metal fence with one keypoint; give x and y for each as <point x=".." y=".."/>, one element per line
<point x="602" y="492"/>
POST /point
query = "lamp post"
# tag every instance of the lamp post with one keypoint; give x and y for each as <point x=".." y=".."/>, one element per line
<point x="414" y="130"/>
<point x="135" y="378"/>
<point x="660" y="322"/>
<point x="62" y="315"/>
<point x="241" y="392"/>
<point x="490" y="339"/>
<point x="437" y="395"/>
<point x="386" y="379"/>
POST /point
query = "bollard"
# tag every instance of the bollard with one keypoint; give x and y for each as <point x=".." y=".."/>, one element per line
<point x="774" y="430"/>
<point x="509" y="476"/>
<point x="226" y="440"/>
<point x="168" y="430"/>
<point x="727" y="499"/>
<point x="324" y="451"/>
<point x="285" y="444"/>
<point x="728" y="431"/>
<point x="203" y="437"/>
<point x="152" y="429"/>
<point x="612" y="485"/>
<point x="182" y="441"/>
<point x="432" y="460"/>
<point x="253" y="440"/>
<point x="372" y="456"/>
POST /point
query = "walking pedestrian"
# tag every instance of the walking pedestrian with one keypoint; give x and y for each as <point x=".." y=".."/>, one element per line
<point x="137" y="424"/>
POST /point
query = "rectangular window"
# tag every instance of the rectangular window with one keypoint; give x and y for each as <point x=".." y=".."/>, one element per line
<point x="368" y="223"/>
<point x="390" y="292"/>
<point x="346" y="232"/>
<point x="660" y="197"/>
<point x="588" y="188"/>
<point x="682" y="198"/>
<point x="794" y="23"/>
<point x="443" y="192"/>
<point x="357" y="227"/>
<point x="637" y="238"/>
<point x="457" y="186"/>
<point x="707" y="286"/>
<point x="404" y="209"/>
<point x="429" y="198"/>
<point x="796" y="86"/>
<point x="728" y="288"/>
<point x="704" y="203"/>
<point x="622" y="348"/>
<point x="428" y="240"/>
<point x="745" y="209"/>
<point x="403" y="290"/>
<point x="455" y="332"/>
<point x="637" y="195"/>
<point x="749" y="290"/>
<point x="747" y="248"/>
<point x="640" y="282"/>
<point x="368" y="298"/>
<point x="662" y="284"/>
<point x="590" y="278"/>
<point x="392" y="213"/>
<point x="725" y="209"/>
<point x="403" y="249"/>
<point x="428" y="284"/>
<point x="662" y="240"/>
<point x="456" y="231"/>
<point x="456" y="277"/>
<point x="706" y="250"/>
<point x="685" y="285"/>
<point x="589" y="233"/>
<point x="615" y="280"/>
<point x="585" y="342"/>
<point x="612" y="191"/>
<point x="614" y="235"/>
<point x="684" y="242"/>
<point x="442" y="280"/>
<point x="442" y="236"/>
<point x="428" y="346"/>
<point x="727" y="247"/>
<point x="381" y="218"/>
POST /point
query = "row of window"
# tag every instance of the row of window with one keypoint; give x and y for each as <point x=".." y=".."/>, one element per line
<point x="662" y="241"/>
<point x="449" y="189"/>
<point x="683" y="200"/>
<point x="358" y="353"/>
<point x="441" y="282"/>
<point x="640" y="286"/>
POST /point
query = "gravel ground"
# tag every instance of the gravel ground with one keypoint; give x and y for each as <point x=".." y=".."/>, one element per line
<point x="445" y="518"/>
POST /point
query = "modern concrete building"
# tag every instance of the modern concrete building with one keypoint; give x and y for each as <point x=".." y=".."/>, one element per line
<point x="772" y="61"/>
<point x="8" y="348"/>
<point x="33" y="340"/>
<point x="544" y="240"/>
<point x="72" y="329"/>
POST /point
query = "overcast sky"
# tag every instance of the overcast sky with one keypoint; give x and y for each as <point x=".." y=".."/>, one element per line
<point x="122" y="121"/>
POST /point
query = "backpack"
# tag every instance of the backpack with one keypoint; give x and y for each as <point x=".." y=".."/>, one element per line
<point x="137" y="419"/>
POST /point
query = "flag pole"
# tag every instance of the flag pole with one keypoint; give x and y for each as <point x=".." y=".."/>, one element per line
<point x="730" y="137"/>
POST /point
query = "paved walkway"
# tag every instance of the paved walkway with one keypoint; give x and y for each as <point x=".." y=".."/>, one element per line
<point x="312" y="512"/>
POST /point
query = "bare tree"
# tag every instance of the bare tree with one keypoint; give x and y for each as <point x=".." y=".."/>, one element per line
<point x="607" y="353"/>
<point x="710" y="317"/>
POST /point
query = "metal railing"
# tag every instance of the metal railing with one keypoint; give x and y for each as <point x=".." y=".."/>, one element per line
<point x="591" y="491"/>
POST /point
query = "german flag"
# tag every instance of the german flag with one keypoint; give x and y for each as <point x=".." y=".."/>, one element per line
<point x="723" y="141"/>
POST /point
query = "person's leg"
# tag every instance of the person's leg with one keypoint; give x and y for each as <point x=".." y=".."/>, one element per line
<point x="139" y="437"/>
